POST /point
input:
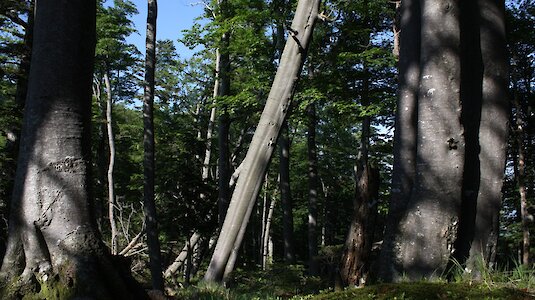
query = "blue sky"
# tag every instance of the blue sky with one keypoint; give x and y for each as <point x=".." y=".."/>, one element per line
<point x="173" y="17"/>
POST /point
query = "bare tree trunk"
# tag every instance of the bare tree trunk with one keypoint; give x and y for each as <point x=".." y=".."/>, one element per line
<point x="264" y="139"/>
<point x="182" y="256"/>
<point x="266" y="240"/>
<point x="53" y="249"/>
<point x="355" y="258"/>
<point x="313" y="266"/>
<point x="286" y="195"/>
<point x="111" y="164"/>
<point x="429" y="227"/>
<point x="492" y="132"/>
<point x="151" y="218"/>
<point x="224" y="127"/>
<point x="404" y="166"/>
<point x="520" y="181"/>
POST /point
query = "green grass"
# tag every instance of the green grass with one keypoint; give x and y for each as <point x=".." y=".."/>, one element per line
<point x="428" y="290"/>
<point x="290" y="282"/>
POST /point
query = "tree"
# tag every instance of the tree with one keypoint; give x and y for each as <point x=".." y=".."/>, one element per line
<point x="114" y="60"/>
<point x="485" y="120"/>
<point x="286" y="195"/>
<point x="404" y="167"/>
<point x="148" y="143"/>
<point x="54" y="249"/>
<point x="313" y="187"/>
<point x="264" y="140"/>
<point x="446" y="207"/>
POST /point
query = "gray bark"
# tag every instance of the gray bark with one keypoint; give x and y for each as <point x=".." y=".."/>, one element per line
<point x="53" y="248"/>
<point x="486" y="116"/>
<point x="404" y="136"/>
<point x="428" y="228"/>
<point x="264" y="139"/>
<point x="149" y="206"/>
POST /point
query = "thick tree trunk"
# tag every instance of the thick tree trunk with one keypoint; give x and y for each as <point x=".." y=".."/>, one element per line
<point x="404" y="167"/>
<point x="313" y="266"/>
<point x="264" y="139"/>
<point x="429" y="226"/>
<point x="149" y="149"/>
<point x="53" y="249"/>
<point x="111" y="165"/>
<point x="286" y="196"/>
<point x="492" y="132"/>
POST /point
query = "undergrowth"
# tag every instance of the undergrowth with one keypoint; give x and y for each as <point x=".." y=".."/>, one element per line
<point x="290" y="282"/>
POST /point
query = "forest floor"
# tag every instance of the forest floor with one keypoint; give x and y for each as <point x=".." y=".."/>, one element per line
<point x="290" y="283"/>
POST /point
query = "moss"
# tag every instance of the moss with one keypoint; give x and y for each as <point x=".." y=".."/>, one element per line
<point x="53" y="289"/>
<point x="428" y="290"/>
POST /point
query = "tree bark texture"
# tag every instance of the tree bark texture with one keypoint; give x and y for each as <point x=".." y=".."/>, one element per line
<point x="447" y="204"/>
<point x="428" y="227"/>
<point x="151" y="219"/>
<point x="485" y="118"/>
<point x="53" y="248"/>
<point x="354" y="266"/>
<point x="264" y="139"/>
<point x="404" y="166"/>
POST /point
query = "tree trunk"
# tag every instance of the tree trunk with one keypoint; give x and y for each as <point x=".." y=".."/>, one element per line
<point x="267" y="249"/>
<point x="286" y="195"/>
<point x="224" y="128"/>
<point x="313" y="266"/>
<point x="264" y="139"/>
<point x="183" y="255"/>
<point x="404" y="137"/>
<point x="429" y="227"/>
<point x="490" y="134"/>
<point x="54" y="250"/>
<point x="521" y="181"/>
<point x="151" y="219"/>
<point x="111" y="164"/>
<point x="355" y="259"/>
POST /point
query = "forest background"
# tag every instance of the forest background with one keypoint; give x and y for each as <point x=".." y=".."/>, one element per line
<point x="343" y="110"/>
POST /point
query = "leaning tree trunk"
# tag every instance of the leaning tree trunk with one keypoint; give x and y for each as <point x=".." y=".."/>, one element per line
<point x="54" y="250"/>
<point x="148" y="143"/>
<point x="404" y="136"/>
<point x="429" y="226"/>
<point x="264" y="139"/>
